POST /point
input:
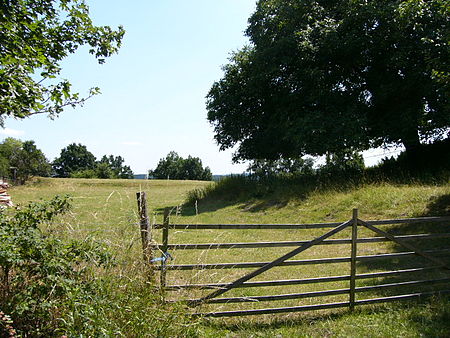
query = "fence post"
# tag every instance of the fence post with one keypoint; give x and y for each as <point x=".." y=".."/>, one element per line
<point x="353" y="259"/>
<point x="146" y="234"/>
<point x="165" y="243"/>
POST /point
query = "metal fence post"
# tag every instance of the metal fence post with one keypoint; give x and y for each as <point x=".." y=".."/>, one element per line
<point x="165" y="243"/>
<point x="353" y="259"/>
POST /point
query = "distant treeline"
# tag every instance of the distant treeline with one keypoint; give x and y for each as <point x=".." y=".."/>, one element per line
<point x="78" y="162"/>
<point x="21" y="160"/>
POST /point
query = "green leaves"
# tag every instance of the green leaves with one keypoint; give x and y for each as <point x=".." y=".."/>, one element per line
<point x="44" y="278"/>
<point x="26" y="159"/>
<point x="326" y="76"/>
<point x="175" y="167"/>
<point x="35" y="36"/>
<point x="74" y="157"/>
<point x="78" y="162"/>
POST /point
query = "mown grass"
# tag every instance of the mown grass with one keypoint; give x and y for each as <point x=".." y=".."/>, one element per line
<point x="106" y="210"/>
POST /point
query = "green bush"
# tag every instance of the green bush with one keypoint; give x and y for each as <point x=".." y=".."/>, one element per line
<point x="43" y="279"/>
<point x="88" y="173"/>
<point x="429" y="163"/>
<point x="50" y="287"/>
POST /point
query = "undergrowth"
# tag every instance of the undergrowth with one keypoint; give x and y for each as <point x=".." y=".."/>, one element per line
<point x="54" y="287"/>
<point x="429" y="165"/>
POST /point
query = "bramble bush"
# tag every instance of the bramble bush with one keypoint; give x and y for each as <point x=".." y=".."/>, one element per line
<point x="42" y="278"/>
<point x="54" y="287"/>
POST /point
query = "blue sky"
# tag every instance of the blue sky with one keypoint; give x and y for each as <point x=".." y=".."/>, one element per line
<point x="153" y="91"/>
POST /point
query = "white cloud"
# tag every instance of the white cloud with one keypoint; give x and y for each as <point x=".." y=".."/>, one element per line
<point x="131" y="143"/>
<point x="11" y="132"/>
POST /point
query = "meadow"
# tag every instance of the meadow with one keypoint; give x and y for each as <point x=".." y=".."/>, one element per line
<point x="106" y="210"/>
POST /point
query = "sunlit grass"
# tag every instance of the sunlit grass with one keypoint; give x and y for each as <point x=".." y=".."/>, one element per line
<point x="107" y="210"/>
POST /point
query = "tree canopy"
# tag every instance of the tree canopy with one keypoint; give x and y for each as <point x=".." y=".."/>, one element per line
<point x="177" y="168"/>
<point x="35" y="36"/>
<point x="77" y="161"/>
<point x="22" y="160"/>
<point x="73" y="158"/>
<point x="116" y="166"/>
<point x="321" y="77"/>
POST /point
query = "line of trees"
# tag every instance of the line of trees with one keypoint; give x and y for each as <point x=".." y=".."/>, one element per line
<point x="78" y="162"/>
<point x="335" y="164"/>
<point x="21" y="160"/>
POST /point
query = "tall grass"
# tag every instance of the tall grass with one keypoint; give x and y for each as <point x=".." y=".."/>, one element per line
<point x="126" y="304"/>
<point x="236" y="188"/>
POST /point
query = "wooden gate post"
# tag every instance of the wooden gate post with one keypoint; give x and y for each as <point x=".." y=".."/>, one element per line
<point x="146" y="234"/>
<point x="353" y="259"/>
<point x="165" y="244"/>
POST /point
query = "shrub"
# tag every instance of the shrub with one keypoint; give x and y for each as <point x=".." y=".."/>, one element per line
<point x="42" y="279"/>
<point x="50" y="287"/>
<point x="88" y="173"/>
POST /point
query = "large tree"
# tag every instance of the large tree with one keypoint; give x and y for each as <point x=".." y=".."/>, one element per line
<point x="35" y="35"/>
<point x="176" y="167"/>
<point x="324" y="76"/>
<point x="22" y="160"/>
<point x="73" y="158"/>
<point x="116" y="166"/>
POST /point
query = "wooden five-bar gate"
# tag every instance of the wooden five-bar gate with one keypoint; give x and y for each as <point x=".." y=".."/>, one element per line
<point x="433" y="257"/>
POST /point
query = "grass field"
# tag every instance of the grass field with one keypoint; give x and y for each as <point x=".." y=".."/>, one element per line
<point x="106" y="210"/>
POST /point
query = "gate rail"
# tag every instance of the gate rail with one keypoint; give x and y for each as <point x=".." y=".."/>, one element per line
<point x="218" y="289"/>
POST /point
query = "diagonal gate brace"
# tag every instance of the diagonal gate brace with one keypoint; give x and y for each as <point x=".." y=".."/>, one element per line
<point x="270" y="265"/>
<point x="405" y="245"/>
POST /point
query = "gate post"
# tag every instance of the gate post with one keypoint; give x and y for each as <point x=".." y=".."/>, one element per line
<point x="353" y="259"/>
<point x="146" y="234"/>
<point x="165" y="244"/>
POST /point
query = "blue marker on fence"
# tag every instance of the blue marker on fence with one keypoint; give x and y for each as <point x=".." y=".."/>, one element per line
<point x="165" y="256"/>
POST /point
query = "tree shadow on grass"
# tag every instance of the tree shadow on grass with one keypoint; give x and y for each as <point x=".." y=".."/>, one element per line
<point x="431" y="320"/>
<point x="258" y="195"/>
<point x="253" y="326"/>
<point x="437" y="247"/>
<point x="204" y="206"/>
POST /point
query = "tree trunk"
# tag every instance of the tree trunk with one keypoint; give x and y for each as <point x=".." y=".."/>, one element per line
<point x="412" y="145"/>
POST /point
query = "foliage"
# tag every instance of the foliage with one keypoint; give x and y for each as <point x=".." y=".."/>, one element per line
<point x="434" y="164"/>
<point x="177" y="168"/>
<point x="103" y="170"/>
<point x="6" y="325"/>
<point x="295" y="166"/>
<point x="74" y="157"/>
<point x="119" y="301"/>
<point x="35" y="37"/>
<point x="341" y="171"/>
<point x="325" y="76"/>
<point x="116" y="168"/>
<point x="346" y="162"/>
<point x="77" y="162"/>
<point x="87" y="173"/>
<point x="22" y="160"/>
<point x="42" y="278"/>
